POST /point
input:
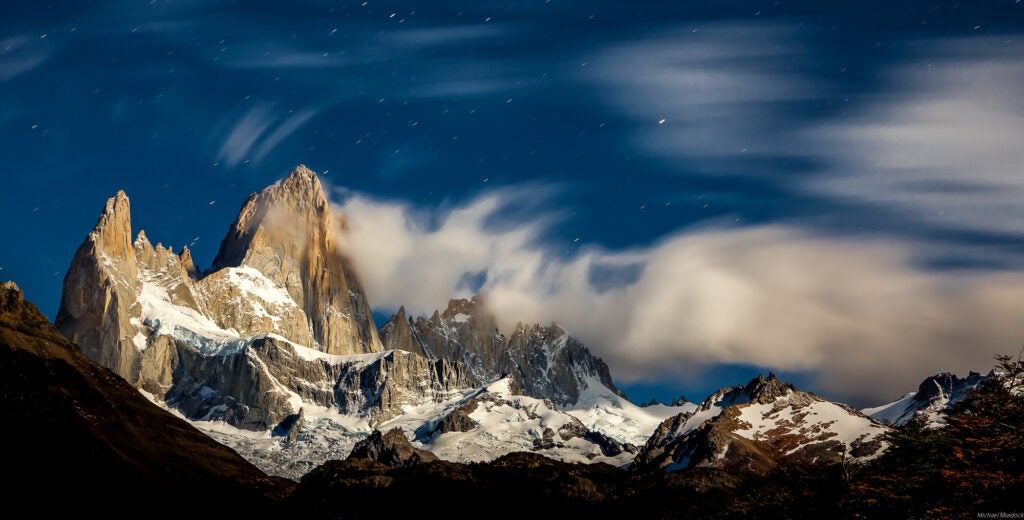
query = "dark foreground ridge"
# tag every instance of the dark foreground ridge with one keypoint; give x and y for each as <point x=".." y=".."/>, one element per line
<point x="79" y="433"/>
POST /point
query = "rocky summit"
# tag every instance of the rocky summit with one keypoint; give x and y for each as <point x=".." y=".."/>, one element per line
<point x="547" y="361"/>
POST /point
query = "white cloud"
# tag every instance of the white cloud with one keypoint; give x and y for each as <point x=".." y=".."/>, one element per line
<point x="857" y="314"/>
<point x="403" y="260"/>
<point x="262" y="55"/>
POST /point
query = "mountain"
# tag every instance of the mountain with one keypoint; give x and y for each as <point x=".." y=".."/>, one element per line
<point x="273" y="353"/>
<point x="280" y="323"/>
<point x="547" y="361"/>
<point x="79" y="431"/>
<point x="755" y="428"/>
<point x="934" y="395"/>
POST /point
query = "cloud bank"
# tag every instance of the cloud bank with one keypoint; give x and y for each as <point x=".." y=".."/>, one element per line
<point x="857" y="314"/>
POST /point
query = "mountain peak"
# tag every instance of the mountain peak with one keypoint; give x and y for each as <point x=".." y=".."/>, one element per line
<point x="10" y="296"/>
<point x="284" y="216"/>
<point x="287" y="233"/>
<point x="391" y="449"/>
<point x="302" y="174"/>
<point x="303" y="185"/>
<point x="767" y="389"/>
<point x="112" y="234"/>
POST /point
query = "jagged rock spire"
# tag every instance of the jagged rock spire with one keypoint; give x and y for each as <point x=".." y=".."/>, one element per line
<point x="98" y="302"/>
<point x="113" y="232"/>
<point x="547" y="361"/>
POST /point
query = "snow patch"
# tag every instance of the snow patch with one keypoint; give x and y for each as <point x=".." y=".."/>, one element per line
<point x="895" y="412"/>
<point x="819" y="421"/>
<point x="253" y="282"/>
<point x="310" y="354"/>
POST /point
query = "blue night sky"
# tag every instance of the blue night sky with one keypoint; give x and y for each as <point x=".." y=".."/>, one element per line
<point x="700" y="190"/>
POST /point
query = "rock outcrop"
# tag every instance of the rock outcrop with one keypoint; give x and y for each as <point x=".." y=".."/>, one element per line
<point x="458" y="420"/>
<point x="753" y="428"/>
<point x="391" y="449"/>
<point x="547" y="362"/>
<point x="396" y="379"/>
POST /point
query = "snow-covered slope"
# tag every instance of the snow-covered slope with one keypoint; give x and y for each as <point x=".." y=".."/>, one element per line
<point x="504" y="422"/>
<point x="933" y="396"/>
<point x="475" y="425"/>
<point x="605" y="411"/>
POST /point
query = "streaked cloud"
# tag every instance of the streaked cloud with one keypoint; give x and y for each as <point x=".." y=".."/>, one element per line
<point x="433" y="37"/>
<point x="258" y="132"/>
<point x="942" y="141"/>
<point x="257" y="55"/>
<point x="932" y="150"/>
<point x="21" y="54"/>
<point x="710" y="94"/>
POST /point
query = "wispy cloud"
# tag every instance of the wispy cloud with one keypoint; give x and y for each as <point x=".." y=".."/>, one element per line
<point x="21" y="54"/>
<point x="258" y="55"/>
<point x="259" y="132"/>
<point x="846" y="311"/>
<point x="434" y="37"/>
<point x="288" y="126"/>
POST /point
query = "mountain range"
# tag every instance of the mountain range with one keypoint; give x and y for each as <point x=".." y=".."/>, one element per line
<point x="273" y="353"/>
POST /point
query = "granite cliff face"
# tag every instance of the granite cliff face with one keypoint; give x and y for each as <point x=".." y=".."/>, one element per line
<point x="752" y="429"/>
<point x="547" y="362"/>
<point x="287" y="234"/>
<point x="280" y="320"/>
